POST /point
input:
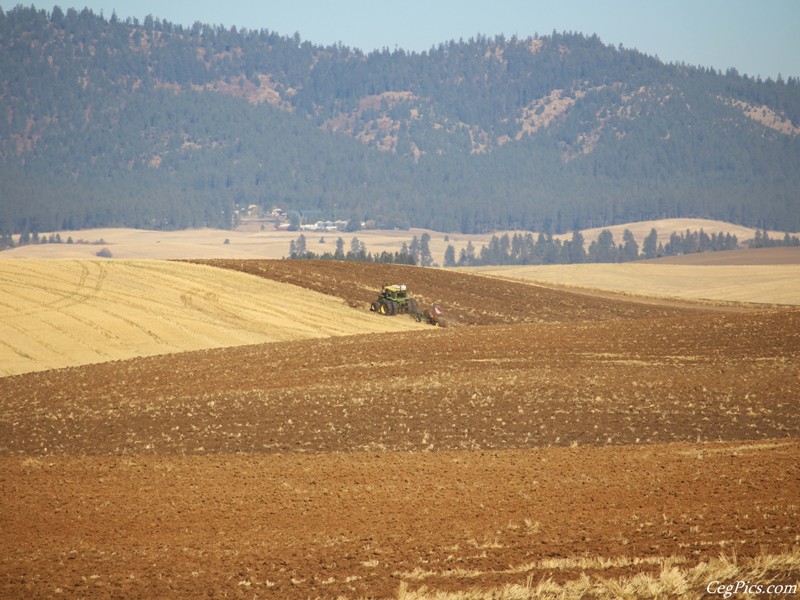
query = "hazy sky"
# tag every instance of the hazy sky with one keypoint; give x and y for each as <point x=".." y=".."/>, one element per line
<point x="757" y="37"/>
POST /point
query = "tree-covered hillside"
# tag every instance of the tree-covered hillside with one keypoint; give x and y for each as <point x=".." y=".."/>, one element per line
<point x="104" y="122"/>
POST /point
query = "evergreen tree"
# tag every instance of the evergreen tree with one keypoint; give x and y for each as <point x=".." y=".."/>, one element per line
<point x="650" y="245"/>
<point x="630" y="249"/>
<point x="425" y="258"/>
<point x="298" y="249"/>
<point x="467" y="255"/>
<point x="603" y="250"/>
<point x="450" y="256"/>
<point x="358" y="250"/>
<point x="576" y="251"/>
<point x="339" y="253"/>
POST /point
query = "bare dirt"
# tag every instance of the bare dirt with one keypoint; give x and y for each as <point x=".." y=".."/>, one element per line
<point x="545" y="437"/>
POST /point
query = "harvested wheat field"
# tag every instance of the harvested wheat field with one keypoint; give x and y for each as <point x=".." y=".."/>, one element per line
<point x="545" y="444"/>
<point x="760" y="276"/>
<point x="59" y="313"/>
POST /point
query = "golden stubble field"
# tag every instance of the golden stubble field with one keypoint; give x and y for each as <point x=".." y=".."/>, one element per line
<point x="59" y="313"/>
<point x="546" y="444"/>
<point x="764" y="284"/>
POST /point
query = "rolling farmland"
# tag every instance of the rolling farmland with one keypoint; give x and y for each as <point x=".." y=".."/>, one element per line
<point x="547" y="443"/>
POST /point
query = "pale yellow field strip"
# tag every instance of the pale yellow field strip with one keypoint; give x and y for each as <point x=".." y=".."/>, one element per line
<point x="59" y="313"/>
<point x="251" y="242"/>
<point x="210" y="243"/>
<point x="760" y="284"/>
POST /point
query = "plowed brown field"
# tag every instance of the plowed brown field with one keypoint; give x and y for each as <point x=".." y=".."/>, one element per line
<point x="544" y="444"/>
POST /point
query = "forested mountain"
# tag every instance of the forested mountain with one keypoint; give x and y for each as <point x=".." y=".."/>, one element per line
<point x="106" y="122"/>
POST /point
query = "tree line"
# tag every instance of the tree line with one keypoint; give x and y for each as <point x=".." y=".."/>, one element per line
<point x="545" y="249"/>
<point x="416" y="253"/>
<point x="762" y="240"/>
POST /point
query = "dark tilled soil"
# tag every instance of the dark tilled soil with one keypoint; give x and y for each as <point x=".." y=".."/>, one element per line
<point x="466" y="299"/>
<point x="357" y="524"/>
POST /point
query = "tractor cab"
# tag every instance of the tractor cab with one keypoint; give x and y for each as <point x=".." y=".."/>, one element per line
<point x="396" y="292"/>
<point x="394" y="299"/>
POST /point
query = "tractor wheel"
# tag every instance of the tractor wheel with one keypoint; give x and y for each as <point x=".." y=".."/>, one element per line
<point x="384" y="308"/>
<point x="375" y="306"/>
<point x="393" y="307"/>
<point x="411" y="306"/>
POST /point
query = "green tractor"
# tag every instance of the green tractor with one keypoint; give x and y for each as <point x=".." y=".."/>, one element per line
<point x="394" y="300"/>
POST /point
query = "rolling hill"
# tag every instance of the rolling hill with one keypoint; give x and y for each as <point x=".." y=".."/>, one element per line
<point x="724" y="282"/>
<point x="69" y="312"/>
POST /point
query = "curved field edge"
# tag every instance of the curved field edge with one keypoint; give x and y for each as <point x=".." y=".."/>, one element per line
<point x="59" y="313"/>
<point x="467" y="298"/>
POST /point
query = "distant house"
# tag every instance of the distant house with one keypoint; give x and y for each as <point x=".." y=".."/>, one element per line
<point x="325" y="226"/>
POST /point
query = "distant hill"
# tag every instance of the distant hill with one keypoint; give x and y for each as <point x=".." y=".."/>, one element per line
<point x="154" y="125"/>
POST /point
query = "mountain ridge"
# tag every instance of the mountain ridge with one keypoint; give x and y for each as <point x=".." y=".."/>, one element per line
<point x="112" y="123"/>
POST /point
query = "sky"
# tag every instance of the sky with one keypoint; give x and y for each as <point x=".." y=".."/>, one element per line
<point x="756" y="37"/>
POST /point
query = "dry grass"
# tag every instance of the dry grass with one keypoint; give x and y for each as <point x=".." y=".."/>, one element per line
<point x="144" y="244"/>
<point x="762" y="284"/>
<point x="71" y="312"/>
<point x="673" y="580"/>
<point x="579" y="563"/>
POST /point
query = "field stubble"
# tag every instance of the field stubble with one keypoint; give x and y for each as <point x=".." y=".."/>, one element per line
<point x="726" y="283"/>
<point x="59" y="313"/>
